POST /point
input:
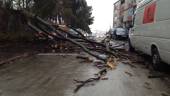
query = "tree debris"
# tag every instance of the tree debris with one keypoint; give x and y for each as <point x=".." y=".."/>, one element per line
<point x="100" y="76"/>
<point x="112" y="62"/>
<point x="157" y="76"/>
<point x="147" y="85"/>
<point x="165" y="94"/>
<point x="128" y="73"/>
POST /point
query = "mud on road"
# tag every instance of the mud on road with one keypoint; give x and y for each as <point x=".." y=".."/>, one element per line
<point x="53" y="75"/>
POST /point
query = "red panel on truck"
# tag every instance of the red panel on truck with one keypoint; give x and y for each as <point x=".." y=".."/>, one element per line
<point x="149" y="13"/>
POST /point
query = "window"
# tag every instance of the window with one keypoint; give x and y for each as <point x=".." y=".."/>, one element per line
<point x="122" y="1"/>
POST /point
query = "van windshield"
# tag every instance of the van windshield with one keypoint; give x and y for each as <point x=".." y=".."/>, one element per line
<point x="142" y="3"/>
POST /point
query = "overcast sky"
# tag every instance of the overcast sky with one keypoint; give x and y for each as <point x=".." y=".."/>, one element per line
<point x="103" y="14"/>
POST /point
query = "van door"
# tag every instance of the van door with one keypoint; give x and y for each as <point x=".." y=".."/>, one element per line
<point x="145" y="17"/>
<point x="162" y="29"/>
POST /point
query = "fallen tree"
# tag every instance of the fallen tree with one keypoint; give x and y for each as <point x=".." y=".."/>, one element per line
<point x="56" y="32"/>
<point x="49" y="31"/>
<point x="93" y="48"/>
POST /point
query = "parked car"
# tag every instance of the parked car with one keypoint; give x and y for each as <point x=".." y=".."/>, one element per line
<point x="119" y="33"/>
<point x="151" y="31"/>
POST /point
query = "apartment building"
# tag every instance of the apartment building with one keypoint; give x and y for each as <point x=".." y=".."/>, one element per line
<point x="116" y="16"/>
<point x="124" y="12"/>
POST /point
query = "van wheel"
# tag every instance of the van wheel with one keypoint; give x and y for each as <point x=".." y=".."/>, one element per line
<point x="130" y="47"/>
<point x="156" y="60"/>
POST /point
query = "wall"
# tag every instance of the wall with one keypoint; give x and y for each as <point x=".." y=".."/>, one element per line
<point x="125" y="13"/>
<point x="129" y="10"/>
<point x="116" y="17"/>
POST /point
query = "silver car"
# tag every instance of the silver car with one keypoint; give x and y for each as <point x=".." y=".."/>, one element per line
<point x="120" y="33"/>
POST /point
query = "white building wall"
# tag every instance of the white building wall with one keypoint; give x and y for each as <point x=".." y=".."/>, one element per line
<point x="116" y="20"/>
<point x="125" y="12"/>
<point x="129" y="9"/>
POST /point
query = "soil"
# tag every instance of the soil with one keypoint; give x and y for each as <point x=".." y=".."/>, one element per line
<point x="12" y="49"/>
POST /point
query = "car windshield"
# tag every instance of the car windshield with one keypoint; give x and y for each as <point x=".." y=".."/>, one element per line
<point x="120" y="30"/>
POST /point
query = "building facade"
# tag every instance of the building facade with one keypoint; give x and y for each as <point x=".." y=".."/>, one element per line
<point x="116" y="16"/>
<point x="124" y="12"/>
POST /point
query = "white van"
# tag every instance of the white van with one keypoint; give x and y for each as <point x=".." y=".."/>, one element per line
<point x="151" y="31"/>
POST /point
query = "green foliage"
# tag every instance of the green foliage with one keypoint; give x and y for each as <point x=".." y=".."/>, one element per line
<point x="83" y="14"/>
<point x="44" y="8"/>
<point x="76" y="13"/>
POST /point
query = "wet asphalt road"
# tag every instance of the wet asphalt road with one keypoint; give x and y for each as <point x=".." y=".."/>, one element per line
<point x="51" y="75"/>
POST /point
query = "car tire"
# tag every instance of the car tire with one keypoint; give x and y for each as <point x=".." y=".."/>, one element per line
<point x="156" y="60"/>
<point x="130" y="47"/>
